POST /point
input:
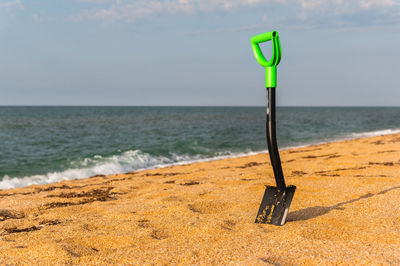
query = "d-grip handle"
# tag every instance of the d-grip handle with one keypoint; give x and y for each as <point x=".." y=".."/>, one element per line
<point x="270" y="66"/>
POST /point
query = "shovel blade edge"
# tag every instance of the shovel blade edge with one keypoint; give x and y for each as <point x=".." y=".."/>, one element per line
<point x="275" y="205"/>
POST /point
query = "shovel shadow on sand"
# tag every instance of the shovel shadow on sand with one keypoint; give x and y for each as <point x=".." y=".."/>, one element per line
<point x="313" y="212"/>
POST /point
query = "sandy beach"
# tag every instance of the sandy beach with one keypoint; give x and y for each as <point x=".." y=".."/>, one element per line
<point x="346" y="210"/>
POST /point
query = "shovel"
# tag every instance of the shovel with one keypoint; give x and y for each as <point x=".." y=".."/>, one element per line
<point x="276" y="201"/>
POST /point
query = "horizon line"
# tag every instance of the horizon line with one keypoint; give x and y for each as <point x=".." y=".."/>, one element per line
<point x="334" y="106"/>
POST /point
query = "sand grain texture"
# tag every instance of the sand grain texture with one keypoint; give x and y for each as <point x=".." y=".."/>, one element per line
<point x="346" y="210"/>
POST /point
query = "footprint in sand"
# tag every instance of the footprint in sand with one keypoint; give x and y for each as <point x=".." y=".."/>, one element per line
<point x="10" y="214"/>
<point x="50" y="222"/>
<point x="228" y="225"/>
<point x="208" y="207"/>
<point x="382" y="163"/>
<point x="12" y="230"/>
<point x="144" y="223"/>
<point x="159" y="234"/>
<point x="251" y="164"/>
<point x="190" y="183"/>
<point x="298" y="173"/>
<point x="76" y="250"/>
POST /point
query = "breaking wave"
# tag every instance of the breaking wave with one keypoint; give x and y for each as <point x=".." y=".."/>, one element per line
<point x="375" y="133"/>
<point x="138" y="160"/>
<point x="98" y="165"/>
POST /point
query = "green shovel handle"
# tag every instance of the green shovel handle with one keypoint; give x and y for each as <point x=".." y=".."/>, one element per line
<point x="270" y="66"/>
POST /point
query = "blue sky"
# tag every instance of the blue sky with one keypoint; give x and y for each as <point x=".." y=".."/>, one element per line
<point x="197" y="52"/>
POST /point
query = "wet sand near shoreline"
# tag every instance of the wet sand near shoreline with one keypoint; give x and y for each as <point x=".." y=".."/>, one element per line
<point x="346" y="210"/>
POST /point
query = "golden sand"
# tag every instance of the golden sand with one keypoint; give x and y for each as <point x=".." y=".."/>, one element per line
<point x="346" y="210"/>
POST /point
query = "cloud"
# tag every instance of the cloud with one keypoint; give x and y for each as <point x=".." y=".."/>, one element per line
<point x="349" y="14"/>
<point x="378" y="3"/>
<point x="290" y="13"/>
<point x="94" y="1"/>
<point x="16" y="4"/>
<point x="42" y="17"/>
<point x="130" y="11"/>
<point x="37" y="18"/>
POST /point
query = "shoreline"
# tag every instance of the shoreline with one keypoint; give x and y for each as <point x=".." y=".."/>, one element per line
<point x="345" y="211"/>
<point x="27" y="179"/>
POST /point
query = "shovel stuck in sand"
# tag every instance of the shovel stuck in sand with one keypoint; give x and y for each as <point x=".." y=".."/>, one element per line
<point x="276" y="201"/>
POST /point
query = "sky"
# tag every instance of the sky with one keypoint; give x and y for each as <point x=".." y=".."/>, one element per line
<point x="198" y="52"/>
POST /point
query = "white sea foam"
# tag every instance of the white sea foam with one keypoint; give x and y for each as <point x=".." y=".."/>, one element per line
<point x="375" y="133"/>
<point x="125" y="162"/>
<point x="138" y="160"/>
<point x="347" y="137"/>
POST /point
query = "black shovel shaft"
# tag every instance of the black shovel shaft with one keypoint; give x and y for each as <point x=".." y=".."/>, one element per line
<point x="271" y="140"/>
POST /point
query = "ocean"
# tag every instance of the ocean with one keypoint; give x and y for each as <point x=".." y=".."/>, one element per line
<point x="40" y="145"/>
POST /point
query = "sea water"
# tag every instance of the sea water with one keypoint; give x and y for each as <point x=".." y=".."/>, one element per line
<point x="41" y="145"/>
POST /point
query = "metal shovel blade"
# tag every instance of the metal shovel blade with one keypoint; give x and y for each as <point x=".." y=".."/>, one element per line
<point x="275" y="205"/>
